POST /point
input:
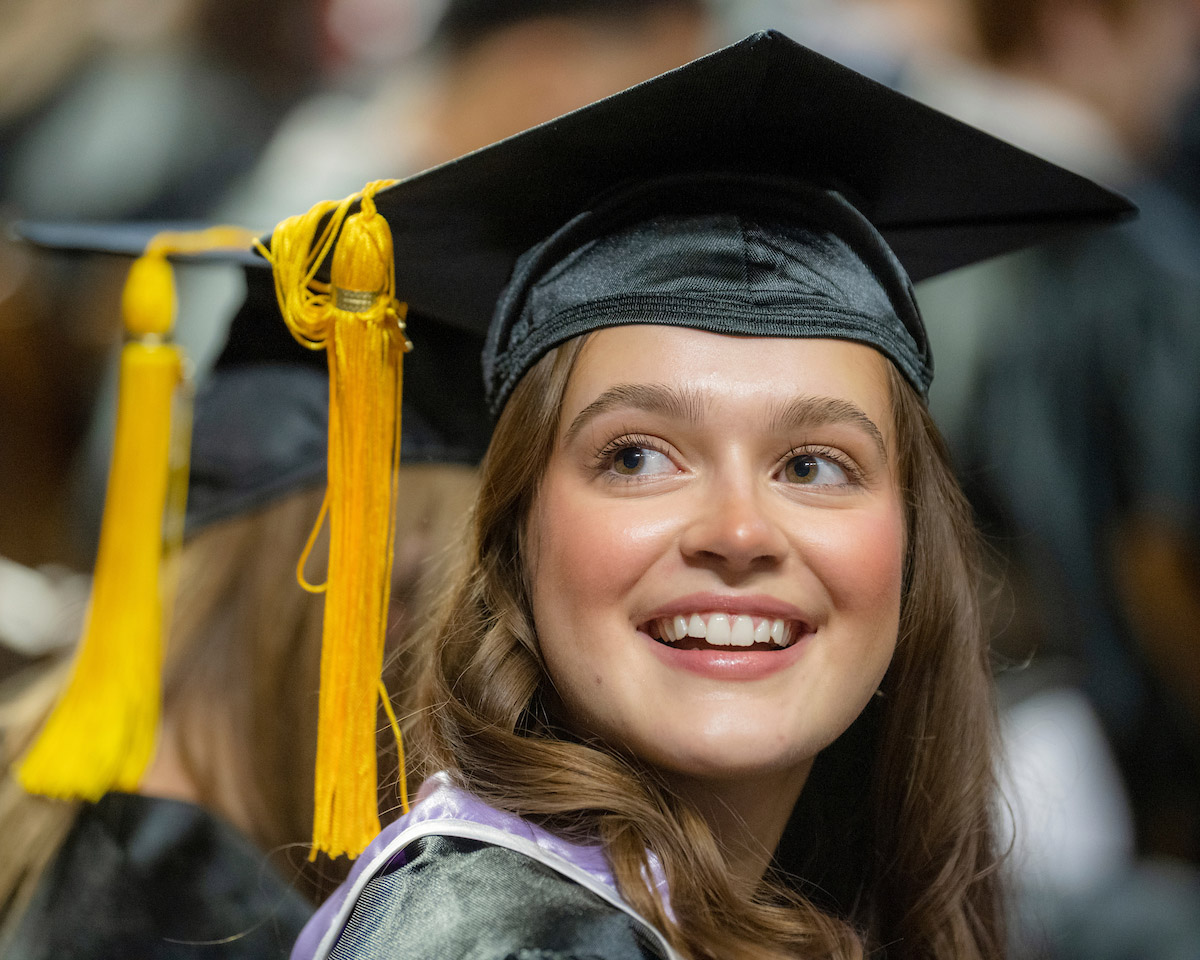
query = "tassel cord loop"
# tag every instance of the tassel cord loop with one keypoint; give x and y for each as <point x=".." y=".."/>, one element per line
<point x="308" y="547"/>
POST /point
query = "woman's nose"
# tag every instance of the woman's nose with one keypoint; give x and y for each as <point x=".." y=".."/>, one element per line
<point x="734" y="528"/>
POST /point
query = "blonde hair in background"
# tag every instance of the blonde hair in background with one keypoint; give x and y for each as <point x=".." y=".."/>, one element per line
<point x="240" y="678"/>
<point x="926" y="860"/>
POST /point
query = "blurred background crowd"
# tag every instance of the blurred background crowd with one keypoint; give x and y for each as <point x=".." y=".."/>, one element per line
<point x="1068" y="380"/>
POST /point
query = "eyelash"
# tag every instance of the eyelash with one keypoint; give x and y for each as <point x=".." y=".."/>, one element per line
<point x="606" y="454"/>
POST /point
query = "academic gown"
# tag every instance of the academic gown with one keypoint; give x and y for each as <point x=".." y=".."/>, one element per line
<point x="456" y="879"/>
<point x="145" y="878"/>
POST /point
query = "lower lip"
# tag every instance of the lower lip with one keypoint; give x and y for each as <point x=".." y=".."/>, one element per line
<point x="729" y="664"/>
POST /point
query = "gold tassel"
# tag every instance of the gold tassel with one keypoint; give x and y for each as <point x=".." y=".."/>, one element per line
<point x="358" y="321"/>
<point x="101" y="734"/>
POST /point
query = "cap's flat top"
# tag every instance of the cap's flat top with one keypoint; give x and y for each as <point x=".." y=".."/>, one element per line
<point x="942" y="193"/>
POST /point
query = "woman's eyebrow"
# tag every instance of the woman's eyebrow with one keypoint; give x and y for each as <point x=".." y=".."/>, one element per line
<point x="819" y="411"/>
<point x="689" y="405"/>
<point x="651" y="397"/>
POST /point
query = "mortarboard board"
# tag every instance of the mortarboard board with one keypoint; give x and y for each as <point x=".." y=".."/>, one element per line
<point x="941" y="194"/>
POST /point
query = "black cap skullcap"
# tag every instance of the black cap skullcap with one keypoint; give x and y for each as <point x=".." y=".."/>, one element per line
<point x="262" y="416"/>
<point x="743" y="255"/>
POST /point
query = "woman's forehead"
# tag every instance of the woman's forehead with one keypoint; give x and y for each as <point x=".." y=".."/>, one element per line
<point x="697" y="374"/>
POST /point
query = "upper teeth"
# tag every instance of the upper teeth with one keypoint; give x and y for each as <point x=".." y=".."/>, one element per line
<point x="724" y="630"/>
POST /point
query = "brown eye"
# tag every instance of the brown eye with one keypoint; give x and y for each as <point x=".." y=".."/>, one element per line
<point x="808" y="469"/>
<point x="629" y="461"/>
<point x="637" y="461"/>
<point x="801" y="469"/>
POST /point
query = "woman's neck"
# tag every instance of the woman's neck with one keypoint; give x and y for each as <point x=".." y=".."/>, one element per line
<point x="747" y="816"/>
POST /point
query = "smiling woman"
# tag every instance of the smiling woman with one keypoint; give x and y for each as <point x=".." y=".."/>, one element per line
<point x="711" y="682"/>
<point x="733" y="522"/>
<point x="551" y="694"/>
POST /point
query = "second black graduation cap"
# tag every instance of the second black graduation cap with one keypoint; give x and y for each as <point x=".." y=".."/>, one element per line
<point x="261" y="415"/>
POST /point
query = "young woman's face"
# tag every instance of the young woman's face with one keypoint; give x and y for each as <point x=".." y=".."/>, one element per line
<point x="717" y="547"/>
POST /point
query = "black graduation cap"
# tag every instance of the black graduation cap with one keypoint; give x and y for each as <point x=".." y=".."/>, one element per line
<point x="942" y="194"/>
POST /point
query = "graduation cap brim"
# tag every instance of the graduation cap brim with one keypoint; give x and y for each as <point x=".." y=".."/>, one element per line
<point x="123" y="239"/>
<point x="943" y="194"/>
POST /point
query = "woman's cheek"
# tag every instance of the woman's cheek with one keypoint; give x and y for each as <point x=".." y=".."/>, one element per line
<point x="610" y="543"/>
<point x="862" y="561"/>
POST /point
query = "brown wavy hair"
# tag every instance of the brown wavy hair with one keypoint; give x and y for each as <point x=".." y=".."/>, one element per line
<point x="891" y="848"/>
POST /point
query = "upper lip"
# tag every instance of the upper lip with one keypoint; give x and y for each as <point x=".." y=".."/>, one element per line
<point x="746" y="605"/>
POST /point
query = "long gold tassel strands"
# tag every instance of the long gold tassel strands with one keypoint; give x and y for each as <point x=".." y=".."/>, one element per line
<point x="101" y="734"/>
<point x="356" y="318"/>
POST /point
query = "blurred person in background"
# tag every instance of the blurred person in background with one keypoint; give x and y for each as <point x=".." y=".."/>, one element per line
<point x="881" y="38"/>
<point x="511" y="66"/>
<point x="59" y="330"/>
<point x="1182" y="168"/>
<point x="143" y="110"/>
<point x="208" y="855"/>
<point x="171" y="112"/>
<point x="1091" y="348"/>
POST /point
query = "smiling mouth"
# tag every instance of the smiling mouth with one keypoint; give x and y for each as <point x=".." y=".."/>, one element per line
<point x="710" y="631"/>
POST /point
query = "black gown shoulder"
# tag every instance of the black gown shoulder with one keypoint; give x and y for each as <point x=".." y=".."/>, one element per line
<point x="460" y="899"/>
<point x="144" y="878"/>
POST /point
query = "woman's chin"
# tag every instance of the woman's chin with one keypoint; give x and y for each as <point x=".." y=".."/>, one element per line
<point x="735" y="759"/>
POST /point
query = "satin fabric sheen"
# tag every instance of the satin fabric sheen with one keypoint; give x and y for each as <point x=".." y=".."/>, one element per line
<point x="446" y="871"/>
